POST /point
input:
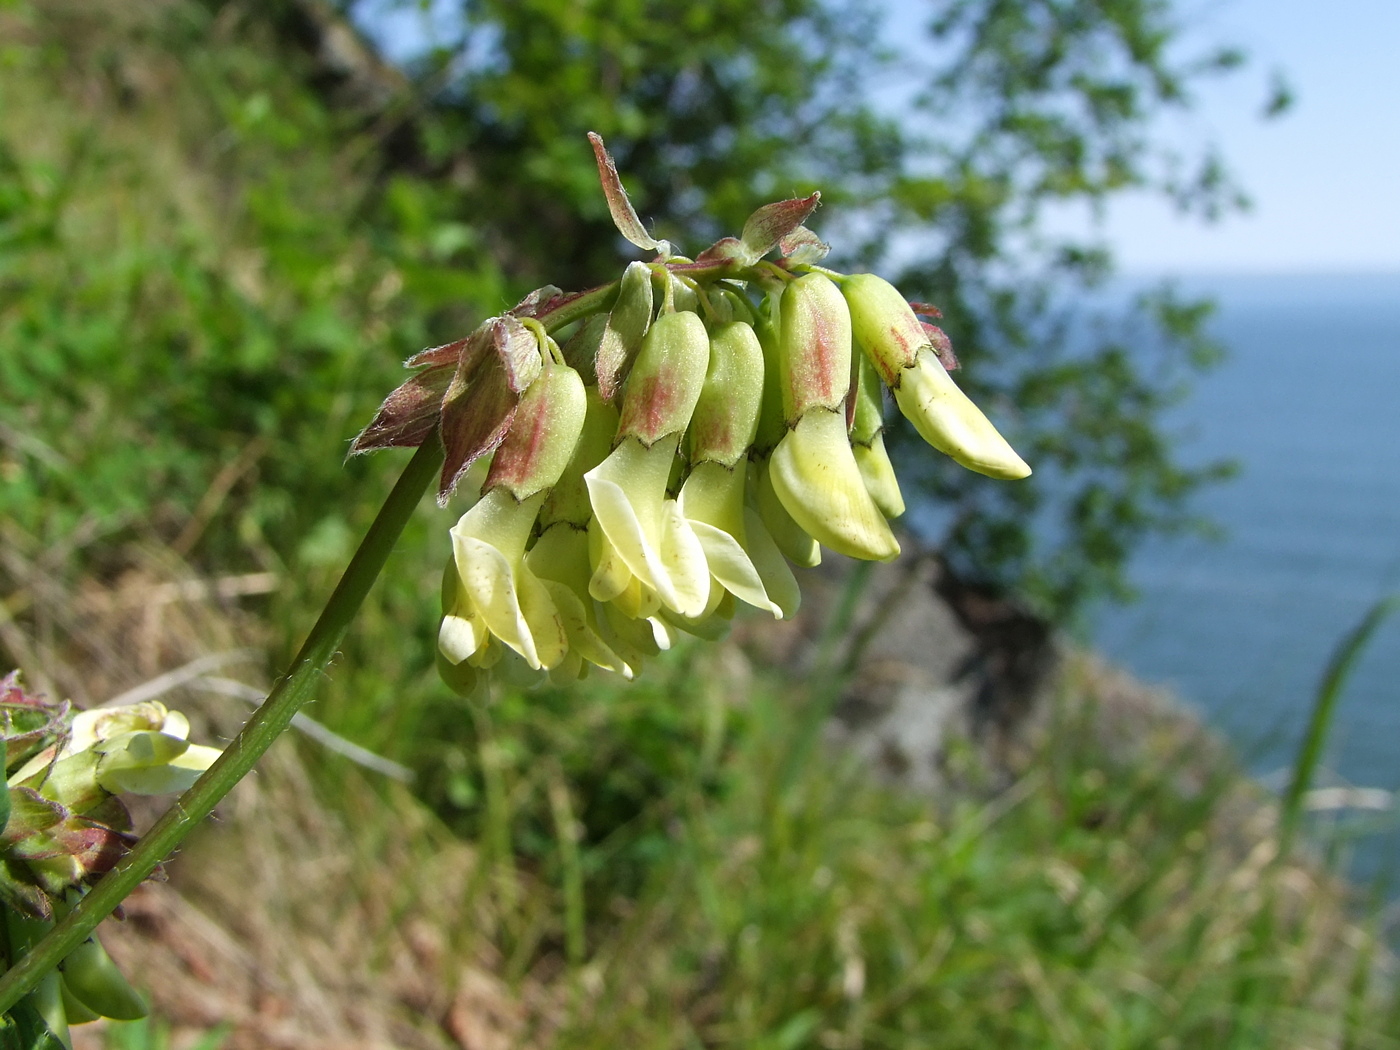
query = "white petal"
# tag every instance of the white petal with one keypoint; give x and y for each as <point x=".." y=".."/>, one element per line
<point x="685" y="586"/>
<point x="542" y="617"/>
<point x="620" y="522"/>
<point x="611" y="576"/>
<point x="663" y="632"/>
<point x="628" y="494"/>
<point x="730" y="565"/>
<point x="460" y="637"/>
<point x="489" y="584"/>
<point x="583" y="640"/>
<point x="800" y="548"/>
<point x="176" y="725"/>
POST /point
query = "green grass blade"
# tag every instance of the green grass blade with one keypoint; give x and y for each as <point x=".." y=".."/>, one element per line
<point x="1329" y="690"/>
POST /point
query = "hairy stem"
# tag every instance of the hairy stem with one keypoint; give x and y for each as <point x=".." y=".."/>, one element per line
<point x="292" y="690"/>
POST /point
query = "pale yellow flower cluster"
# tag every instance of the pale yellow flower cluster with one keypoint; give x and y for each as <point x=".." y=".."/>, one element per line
<point x="705" y="425"/>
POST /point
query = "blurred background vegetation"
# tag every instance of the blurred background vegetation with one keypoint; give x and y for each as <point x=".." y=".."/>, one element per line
<point x="224" y="224"/>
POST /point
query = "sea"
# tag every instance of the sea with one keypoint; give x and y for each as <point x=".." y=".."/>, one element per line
<point x="1307" y="402"/>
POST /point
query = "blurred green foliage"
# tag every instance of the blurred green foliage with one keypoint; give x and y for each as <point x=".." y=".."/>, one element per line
<point x="189" y="287"/>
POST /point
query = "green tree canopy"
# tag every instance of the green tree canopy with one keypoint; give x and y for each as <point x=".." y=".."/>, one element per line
<point x="715" y="105"/>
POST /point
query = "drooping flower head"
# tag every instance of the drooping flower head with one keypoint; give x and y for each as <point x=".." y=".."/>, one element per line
<point x="706" y="424"/>
<point x="65" y="824"/>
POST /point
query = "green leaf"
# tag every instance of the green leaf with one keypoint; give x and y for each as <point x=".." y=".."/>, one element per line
<point x="24" y="1029"/>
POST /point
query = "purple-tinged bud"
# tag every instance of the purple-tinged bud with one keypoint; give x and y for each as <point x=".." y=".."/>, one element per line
<point x="884" y="325"/>
<point x="626" y="326"/>
<point x="480" y="403"/>
<point x="814" y="346"/>
<point x="543" y="434"/>
<point x="900" y="349"/>
<point x="765" y="229"/>
<point x="666" y="378"/>
<point x="726" y="417"/>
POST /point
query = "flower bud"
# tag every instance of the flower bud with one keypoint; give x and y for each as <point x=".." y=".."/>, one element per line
<point x="898" y="346"/>
<point x="580" y="350"/>
<point x="736" y="303"/>
<point x="543" y="435"/>
<point x="814" y="346"/>
<point x="682" y="296"/>
<point x="884" y="325"/>
<point x="815" y="476"/>
<point x="726" y="416"/>
<point x="90" y="975"/>
<point x="666" y="378"/>
<point x="625" y="328"/>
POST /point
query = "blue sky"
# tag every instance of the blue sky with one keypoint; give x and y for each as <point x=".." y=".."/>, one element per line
<point x="1324" y="178"/>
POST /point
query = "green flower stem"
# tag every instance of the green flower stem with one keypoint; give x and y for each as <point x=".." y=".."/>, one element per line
<point x="267" y="723"/>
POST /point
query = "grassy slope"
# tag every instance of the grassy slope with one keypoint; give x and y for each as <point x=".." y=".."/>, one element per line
<point x="203" y="290"/>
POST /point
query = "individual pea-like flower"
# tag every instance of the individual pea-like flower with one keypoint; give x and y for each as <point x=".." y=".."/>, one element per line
<point x="707" y="425"/>
<point x="560" y="556"/>
<point x="645" y="532"/>
<point x="900" y="349"/>
<point x="813" y="470"/>
<point x="489" y="592"/>
<point x="743" y="559"/>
